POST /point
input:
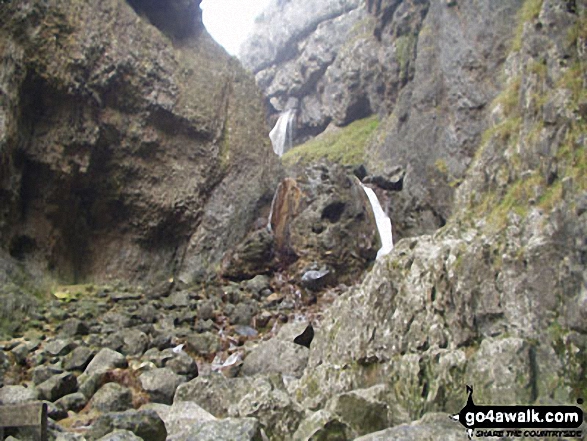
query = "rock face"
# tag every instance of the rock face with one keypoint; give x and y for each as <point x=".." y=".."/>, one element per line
<point x="126" y="137"/>
<point x="429" y="69"/>
<point x="293" y="46"/>
<point x="493" y="299"/>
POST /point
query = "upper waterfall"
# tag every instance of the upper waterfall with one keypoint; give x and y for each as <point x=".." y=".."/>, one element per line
<point x="383" y="223"/>
<point x="281" y="134"/>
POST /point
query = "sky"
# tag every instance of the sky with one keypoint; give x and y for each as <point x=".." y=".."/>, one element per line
<point x="230" y="21"/>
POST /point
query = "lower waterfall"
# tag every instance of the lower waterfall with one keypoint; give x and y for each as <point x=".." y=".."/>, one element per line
<point x="383" y="223"/>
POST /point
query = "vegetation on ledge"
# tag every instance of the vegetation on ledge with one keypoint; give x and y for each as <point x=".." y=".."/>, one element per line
<point x="345" y="146"/>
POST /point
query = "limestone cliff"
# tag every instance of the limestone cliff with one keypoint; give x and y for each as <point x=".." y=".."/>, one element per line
<point x="428" y="69"/>
<point x="131" y="145"/>
<point x="496" y="298"/>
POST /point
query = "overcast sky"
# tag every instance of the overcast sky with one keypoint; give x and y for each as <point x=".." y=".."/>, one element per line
<point x="230" y="21"/>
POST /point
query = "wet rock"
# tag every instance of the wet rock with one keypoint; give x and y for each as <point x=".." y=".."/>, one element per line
<point x="322" y="219"/>
<point x="121" y="435"/>
<point x="237" y="429"/>
<point x="204" y="344"/>
<point x="245" y="331"/>
<point x="106" y="360"/>
<point x="73" y="327"/>
<point x="43" y="373"/>
<point x="57" y="386"/>
<point x="161" y="384"/>
<point x="78" y="359"/>
<point x="315" y="280"/>
<point x="74" y="402"/>
<point x="17" y="394"/>
<point x="112" y="397"/>
<point x="391" y="180"/>
<point x="145" y="424"/>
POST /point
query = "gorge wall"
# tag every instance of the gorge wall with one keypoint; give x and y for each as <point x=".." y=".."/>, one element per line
<point x="132" y="146"/>
<point x="428" y="69"/>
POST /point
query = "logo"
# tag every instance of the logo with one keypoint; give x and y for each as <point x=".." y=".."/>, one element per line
<point x="499" y="421"/>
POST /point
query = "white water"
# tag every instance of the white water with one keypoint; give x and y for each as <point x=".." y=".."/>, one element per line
<point x="281" y="134"/>
<point x="383" y="223"/>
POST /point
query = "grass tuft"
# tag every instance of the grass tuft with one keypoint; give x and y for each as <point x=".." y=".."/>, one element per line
<point x="345" y="146"/>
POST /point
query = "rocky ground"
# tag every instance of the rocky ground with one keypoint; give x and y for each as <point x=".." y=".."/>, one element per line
<point x="152" y="361"/>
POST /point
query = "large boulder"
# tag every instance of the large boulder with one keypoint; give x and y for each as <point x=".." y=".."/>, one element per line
<point x="321" y="220"/>
<point x="233" y="429"/>
<point x="161" y="384"/>
<point x="263" y="397"/>
<point x="146" y="424"/>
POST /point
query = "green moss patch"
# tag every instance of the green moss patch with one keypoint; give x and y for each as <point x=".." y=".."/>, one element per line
<point x="345" y="146"/>
<point x="530" y="11"/>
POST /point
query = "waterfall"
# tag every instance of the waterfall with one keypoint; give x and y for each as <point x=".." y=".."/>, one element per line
<point x="281" y="134"/>
<point x="383" y="223"/>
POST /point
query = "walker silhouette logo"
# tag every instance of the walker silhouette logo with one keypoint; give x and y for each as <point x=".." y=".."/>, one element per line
<point x="515" y="421"/>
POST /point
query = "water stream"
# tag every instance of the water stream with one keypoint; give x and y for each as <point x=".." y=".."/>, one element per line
<point x="383" y="223"/>
<point x="281" y="134"/>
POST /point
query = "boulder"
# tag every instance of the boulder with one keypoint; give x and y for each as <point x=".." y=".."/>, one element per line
<point x="57" y="386"/>
<point x="145" y="424"/>
<point x="278" y="355"/>
<point x="121" y="435"/>
<point x="74" y="402"/>
<point x="17" y="394"/>
<point x="430" y="427"/>
<point x="323" y="425"/>
<point x="183" y="364"/>
<point x="330" y="227"/>
<point x="361" y="410"/>
<point x="204" y="344"/>
<point x="73" y="327"/>
<point x="161" y="384"/>
<point x="105" y="360"/>
<point x="43" y="373"/>
<point x="234" y="429"/>
<point x="181" y="416"/>
<point x="262" y="397"/>
<point x="78" y="359"/>
<point x="112" y="397"/>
